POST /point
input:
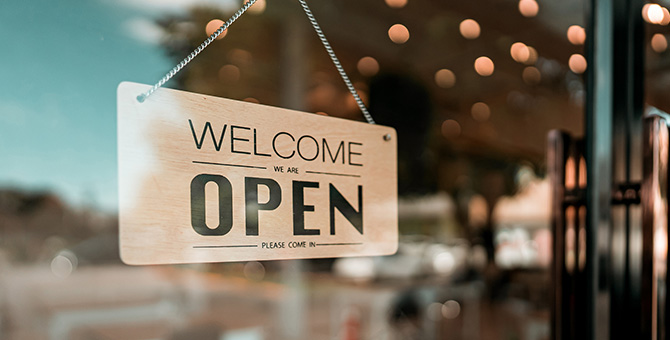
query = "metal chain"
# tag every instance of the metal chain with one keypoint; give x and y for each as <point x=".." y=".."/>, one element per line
<point x="336" y="61"/>
<point x="195" y="52"/>
<point x="142" y="97"/>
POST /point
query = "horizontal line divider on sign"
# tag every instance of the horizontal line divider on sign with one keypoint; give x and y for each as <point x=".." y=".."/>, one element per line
<point x="339" y="244"/>
<point x="330" y="173"/>
<point x="233" y="165"/>
<point x="229" y="246"/>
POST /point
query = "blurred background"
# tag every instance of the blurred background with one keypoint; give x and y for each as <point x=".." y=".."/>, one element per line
<point x="472" y="87"/>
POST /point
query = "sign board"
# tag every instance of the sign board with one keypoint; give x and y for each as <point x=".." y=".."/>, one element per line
<point x="206" y="179"/>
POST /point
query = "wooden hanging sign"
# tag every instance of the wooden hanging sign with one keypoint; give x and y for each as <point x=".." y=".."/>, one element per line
<point x="207" y="179"/>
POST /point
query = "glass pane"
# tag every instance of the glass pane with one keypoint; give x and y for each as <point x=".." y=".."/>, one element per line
<point x="472" y="89"/>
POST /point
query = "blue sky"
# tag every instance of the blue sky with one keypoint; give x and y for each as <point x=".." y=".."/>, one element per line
<point x="61" y="63"/>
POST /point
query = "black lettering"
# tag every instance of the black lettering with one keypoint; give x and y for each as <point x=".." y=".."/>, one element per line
<point x="354" y="153"/>
<point x="338" y="201"/>
<point x="233" y="139"/>
<point x="330" y="155"/>
<point x="274" y="146"/>
<point x="256" y="148"/>
<point x="204" y="131"/>
<point x="299" y="208"/>
<point x="198" y="221"/>
<point x="315" y="143"/>
<point x="253" y="206"/>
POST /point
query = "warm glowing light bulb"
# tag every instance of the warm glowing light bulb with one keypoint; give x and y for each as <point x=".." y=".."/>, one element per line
<point x="398" y="33"/>
<point x="469" y="29"/>
<point x="577" y="63"/>
<point x="576" y="35"/>
<point x="484" y="66"/>
<point x="445" y="78"/>
<point x="213" y="26"/>
<point x="659" y="43"/>
<point x="528" y="8"/>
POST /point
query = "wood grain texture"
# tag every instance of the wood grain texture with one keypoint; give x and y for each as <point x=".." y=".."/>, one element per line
<point x="164" y="143"/>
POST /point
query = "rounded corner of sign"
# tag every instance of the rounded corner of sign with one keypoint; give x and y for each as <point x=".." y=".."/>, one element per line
<point x="390" y="130"/>
<point x="128" y="260"/>
<point x="392" y="250"/>
<point x="390" y="134"/>
<point x="122" y="85"/>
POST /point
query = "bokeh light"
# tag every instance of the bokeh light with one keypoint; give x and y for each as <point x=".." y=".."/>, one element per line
<point x="484" y="66"/>
<point x="451" y="129"/>
<point x="531" y="75"/>
<point x="652" y="13"/>
<point x="451" y="309"/>
<point x="659" y="43"/>
<point x="368" y="66"/>
<point x="577" y="63"/>
<point x="576" y="35"/>
<point x="229" y="73"/>
<point x="532" y="56"/>
<point x="445" y="78"/>
<point x="396" y="3"/>
<point x="666" y="17"/>
<point x="398" y="33"/>
<point x="258" y="7"/>
<point x="213" y="26"/>
<point x="519" y="52"/>
<point x="434" y="311"/>
<point x="528" y="8"/>
<point x="480" y="112"/>
<point x="254" y="271"/>
<point x="469" y="29"/>
<point x="64" y="263"/>
<point x="240" y="57"/>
